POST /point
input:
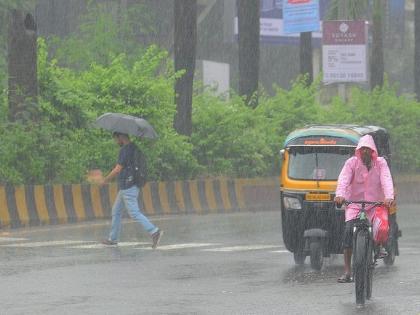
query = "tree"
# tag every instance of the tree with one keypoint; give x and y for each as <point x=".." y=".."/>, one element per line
<point x="22" y="65"/>
<point x="349" y="9"/>
<point x="6" y="7"/>
<point x="417" y="49"/>
<point x="377" y="55"/>
<point x="249" y="49"/>
<point x="185" y="40"/>
<point x="306" y="67"/>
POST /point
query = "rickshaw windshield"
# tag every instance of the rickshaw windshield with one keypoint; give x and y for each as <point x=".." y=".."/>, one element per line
<point x="317" y="162"/>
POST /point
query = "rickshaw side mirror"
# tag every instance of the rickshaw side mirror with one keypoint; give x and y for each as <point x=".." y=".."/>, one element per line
<point x="281" y="153"/>
<point x="281" y="159"/>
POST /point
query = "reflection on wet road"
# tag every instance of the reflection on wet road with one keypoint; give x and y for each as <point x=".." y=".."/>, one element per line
<point x="209" y="264"/>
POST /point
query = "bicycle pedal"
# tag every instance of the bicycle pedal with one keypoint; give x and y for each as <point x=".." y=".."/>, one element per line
<point x="380" y="256"/>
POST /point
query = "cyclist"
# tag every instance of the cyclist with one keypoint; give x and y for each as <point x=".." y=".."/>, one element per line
<point x="364" y="176"/>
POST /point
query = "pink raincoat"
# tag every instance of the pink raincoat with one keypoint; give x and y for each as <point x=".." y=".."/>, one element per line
<point x="356" y="182"/>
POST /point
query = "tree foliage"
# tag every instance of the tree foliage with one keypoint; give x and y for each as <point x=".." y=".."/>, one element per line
<point x="226" y="137"/>
<point x="229" y="137"/>
<point x="102" y="35"/>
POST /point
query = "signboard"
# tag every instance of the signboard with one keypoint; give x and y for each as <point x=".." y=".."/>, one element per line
<point x="344" y="51"/>
<point x="216" y="76"/>
<point x="313" y="196"/>
<point x="272" y="23"/>
<point x="301" y="16"/>
<point x="322" y="141"/>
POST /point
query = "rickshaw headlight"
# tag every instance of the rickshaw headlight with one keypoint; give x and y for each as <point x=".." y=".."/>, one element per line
<point x="292" y="203"/>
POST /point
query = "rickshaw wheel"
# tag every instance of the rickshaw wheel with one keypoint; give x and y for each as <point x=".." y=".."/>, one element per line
<point x="317" y="258"/>
<point x="299" y="257"/>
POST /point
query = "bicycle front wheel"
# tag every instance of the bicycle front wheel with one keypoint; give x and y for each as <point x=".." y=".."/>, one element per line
<point x="360" y="265"/>
<point x="370" y="266"/>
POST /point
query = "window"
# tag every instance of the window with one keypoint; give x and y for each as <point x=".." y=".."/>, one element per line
<point x="317" y="162"/>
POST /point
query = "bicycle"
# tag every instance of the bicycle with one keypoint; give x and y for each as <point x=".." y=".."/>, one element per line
<point x="365" y="252"/>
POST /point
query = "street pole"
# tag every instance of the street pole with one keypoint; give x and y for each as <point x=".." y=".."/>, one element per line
<point x="342" y="15"/>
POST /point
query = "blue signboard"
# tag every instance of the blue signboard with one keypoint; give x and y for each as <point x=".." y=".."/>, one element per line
<point x="300" y="16"/>
<point x="271" y="24"/>
<point x="274" y="29"/>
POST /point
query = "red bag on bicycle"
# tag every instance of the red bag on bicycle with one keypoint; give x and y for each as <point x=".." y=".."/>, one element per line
<point x="380" y="225"/>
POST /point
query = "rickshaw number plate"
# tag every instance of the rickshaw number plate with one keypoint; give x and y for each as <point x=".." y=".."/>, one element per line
<point x="317" y="197"/>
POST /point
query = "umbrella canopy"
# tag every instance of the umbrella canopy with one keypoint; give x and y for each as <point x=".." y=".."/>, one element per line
<point x="127" y="124"/>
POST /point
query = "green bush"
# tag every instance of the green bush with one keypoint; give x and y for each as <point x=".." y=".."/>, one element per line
<point x="29" y="153"/>
<point x="228" y="138"/>
<point x="284" y="112"/>
<point x="145" y="89"/>
<point x="102" y="35"/>
<point x="400" y="115"/>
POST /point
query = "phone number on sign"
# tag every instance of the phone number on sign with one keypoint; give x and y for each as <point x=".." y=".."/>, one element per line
<point x="345" y="75"/>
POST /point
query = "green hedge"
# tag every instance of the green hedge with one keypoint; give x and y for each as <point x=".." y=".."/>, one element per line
<point x="228" y="137"/>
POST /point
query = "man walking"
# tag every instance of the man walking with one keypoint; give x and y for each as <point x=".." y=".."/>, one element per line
<point x="128" y="192"/>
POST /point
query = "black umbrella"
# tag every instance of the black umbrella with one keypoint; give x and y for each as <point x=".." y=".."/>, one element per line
<point x="127" y="124"/>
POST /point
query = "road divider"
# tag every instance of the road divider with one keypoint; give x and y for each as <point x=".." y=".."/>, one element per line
<point x="33" y="205"/>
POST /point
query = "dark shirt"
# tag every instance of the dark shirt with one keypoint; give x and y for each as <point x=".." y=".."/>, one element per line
<point x="125" y="158"/>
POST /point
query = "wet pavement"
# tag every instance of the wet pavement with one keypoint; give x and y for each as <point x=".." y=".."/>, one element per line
<point x="206" y="264"/>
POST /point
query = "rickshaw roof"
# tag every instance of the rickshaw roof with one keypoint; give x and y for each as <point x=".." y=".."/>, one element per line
<point x="349" y="132"/>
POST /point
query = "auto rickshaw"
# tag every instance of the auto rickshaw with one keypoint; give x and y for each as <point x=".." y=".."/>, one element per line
<point x="311" y="160"/>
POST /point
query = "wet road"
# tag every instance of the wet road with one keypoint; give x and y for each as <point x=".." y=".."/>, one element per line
<point x="209" y="264"/>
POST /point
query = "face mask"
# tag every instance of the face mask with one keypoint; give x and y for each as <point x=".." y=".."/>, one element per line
<point x="366" y="158"/>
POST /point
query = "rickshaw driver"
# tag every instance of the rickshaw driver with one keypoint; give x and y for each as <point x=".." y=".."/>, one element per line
<point x="364" y="176"/>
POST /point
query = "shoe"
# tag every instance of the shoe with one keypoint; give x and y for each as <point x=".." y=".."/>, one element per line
<point x="109" y="242"/>
<point x="345" y="279"/>
<point x="156" y="238"/>
<point x="382" y="253"/>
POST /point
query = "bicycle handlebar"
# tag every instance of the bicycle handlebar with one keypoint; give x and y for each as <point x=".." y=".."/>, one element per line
<point x="376" y="203"/>
<point x="361" y="202"/>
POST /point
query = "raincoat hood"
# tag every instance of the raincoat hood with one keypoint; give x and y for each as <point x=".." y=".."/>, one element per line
<point x="367" y="141"/>
<point x="357" y="182"/>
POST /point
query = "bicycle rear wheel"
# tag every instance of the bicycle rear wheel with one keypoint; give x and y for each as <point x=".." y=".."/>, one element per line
<point x="360" y="265"/>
